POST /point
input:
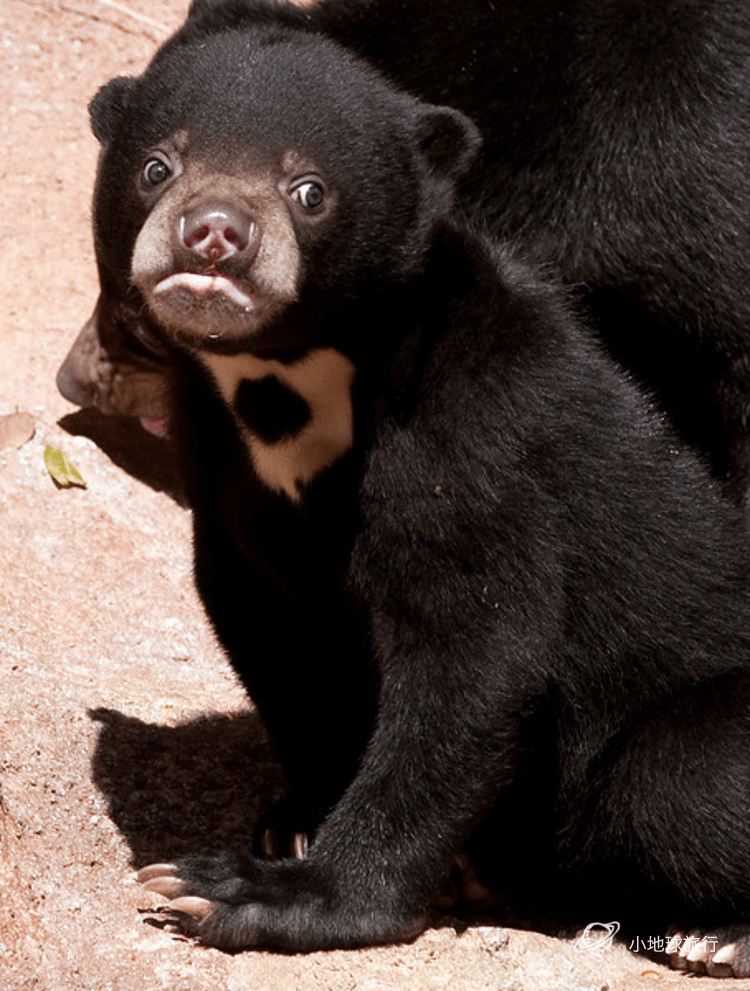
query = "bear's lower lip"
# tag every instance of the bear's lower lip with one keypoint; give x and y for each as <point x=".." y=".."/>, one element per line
<point x="205" y="285"/>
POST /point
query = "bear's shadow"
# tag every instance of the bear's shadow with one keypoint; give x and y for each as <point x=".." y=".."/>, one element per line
<point x="198" y="787"/>
<point x="148" y="458"/>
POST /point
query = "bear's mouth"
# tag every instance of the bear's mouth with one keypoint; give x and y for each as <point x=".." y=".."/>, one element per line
<point x="205" y="286"/>
<point x="208" y="308"/>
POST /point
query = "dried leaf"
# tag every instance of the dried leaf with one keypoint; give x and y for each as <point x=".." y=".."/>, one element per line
<point x="15" y="429"/>
<point x="62" y="471"/>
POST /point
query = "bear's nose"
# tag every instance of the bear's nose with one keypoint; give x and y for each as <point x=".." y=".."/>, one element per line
<point x="217" y="230"/>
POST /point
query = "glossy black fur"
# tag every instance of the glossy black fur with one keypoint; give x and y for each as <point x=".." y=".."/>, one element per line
<point x="616" y="140"/>
<point x="548" y="603"/>
<point x="513" y="617"/>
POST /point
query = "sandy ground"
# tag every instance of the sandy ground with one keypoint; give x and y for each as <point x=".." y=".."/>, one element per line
<point x="123" y="735"/>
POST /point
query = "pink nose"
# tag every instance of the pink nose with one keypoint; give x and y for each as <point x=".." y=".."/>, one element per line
<point x="217" y="230"/>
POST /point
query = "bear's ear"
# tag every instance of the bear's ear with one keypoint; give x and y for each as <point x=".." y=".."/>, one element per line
<point x="107" y="108"/>
<point x="448" y="140"/>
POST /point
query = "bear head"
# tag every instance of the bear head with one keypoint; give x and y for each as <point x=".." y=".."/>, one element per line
<point x="255" y="174"/>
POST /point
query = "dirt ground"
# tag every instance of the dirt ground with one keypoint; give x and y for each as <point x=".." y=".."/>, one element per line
<point x="124" y="737"/>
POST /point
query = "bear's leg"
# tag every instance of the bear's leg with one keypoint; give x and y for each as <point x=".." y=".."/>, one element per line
<point x="317" y="703"/>
<point x="673" y="810"/>
<point x="429" y="773"/>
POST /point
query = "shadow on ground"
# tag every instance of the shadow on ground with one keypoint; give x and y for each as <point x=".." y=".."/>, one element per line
<point x="147" y="458"/>
<point x="198" y="787"/>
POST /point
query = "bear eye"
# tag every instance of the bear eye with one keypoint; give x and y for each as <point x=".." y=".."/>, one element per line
<point x="155" y="171"/>
<point x="309" y="195"/>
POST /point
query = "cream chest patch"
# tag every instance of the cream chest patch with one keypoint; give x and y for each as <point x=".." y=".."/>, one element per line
<point x="296" y="420"/>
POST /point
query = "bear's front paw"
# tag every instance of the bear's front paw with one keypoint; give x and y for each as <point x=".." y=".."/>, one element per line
<point x="287" y="905"/>
<point x="221" y="901"/>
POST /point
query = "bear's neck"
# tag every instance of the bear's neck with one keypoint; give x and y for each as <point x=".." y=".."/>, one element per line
<point x="295" y="415"/>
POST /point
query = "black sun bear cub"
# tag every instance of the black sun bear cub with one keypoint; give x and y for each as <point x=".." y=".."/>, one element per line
<point x="481" y="597"/>
<point x="616" y="137"/>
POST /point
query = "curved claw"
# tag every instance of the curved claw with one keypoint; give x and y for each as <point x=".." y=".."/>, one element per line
<point x="193" y="906"/>
<point x="696" y="952"/>
<point x="151" y="871"/>
<point x="300" y="846"/>
<point x="699" y="952"/>
<point x="269" y="844"/>
<point x="166" y="885"/>
<point x="725" y="955"/>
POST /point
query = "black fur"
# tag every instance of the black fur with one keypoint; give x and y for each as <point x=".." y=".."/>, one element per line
<point x="270" y="409"/>
<point x="513" y="615"/>
<point x="616" y="140"/>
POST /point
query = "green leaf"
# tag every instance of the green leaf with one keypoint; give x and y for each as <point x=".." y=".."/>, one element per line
<point x="62" y="471"/>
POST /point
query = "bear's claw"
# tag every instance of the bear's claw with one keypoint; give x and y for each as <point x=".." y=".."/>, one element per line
<point x="724" y="953"/>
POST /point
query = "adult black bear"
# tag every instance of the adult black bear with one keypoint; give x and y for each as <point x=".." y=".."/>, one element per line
<point x="616" y="141"/>
<point x="481" y="597"/>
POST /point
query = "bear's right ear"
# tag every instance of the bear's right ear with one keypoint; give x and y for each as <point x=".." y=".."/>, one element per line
<point x="108" y="107"/>
<point x="448" y="140"/>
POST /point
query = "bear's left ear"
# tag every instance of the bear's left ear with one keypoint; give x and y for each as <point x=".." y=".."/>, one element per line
<point x="447" y="139"/>
<point x="109" y="106"/>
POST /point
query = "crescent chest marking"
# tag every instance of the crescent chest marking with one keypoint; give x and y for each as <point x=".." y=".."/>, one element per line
<point x="296" y="420"/>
